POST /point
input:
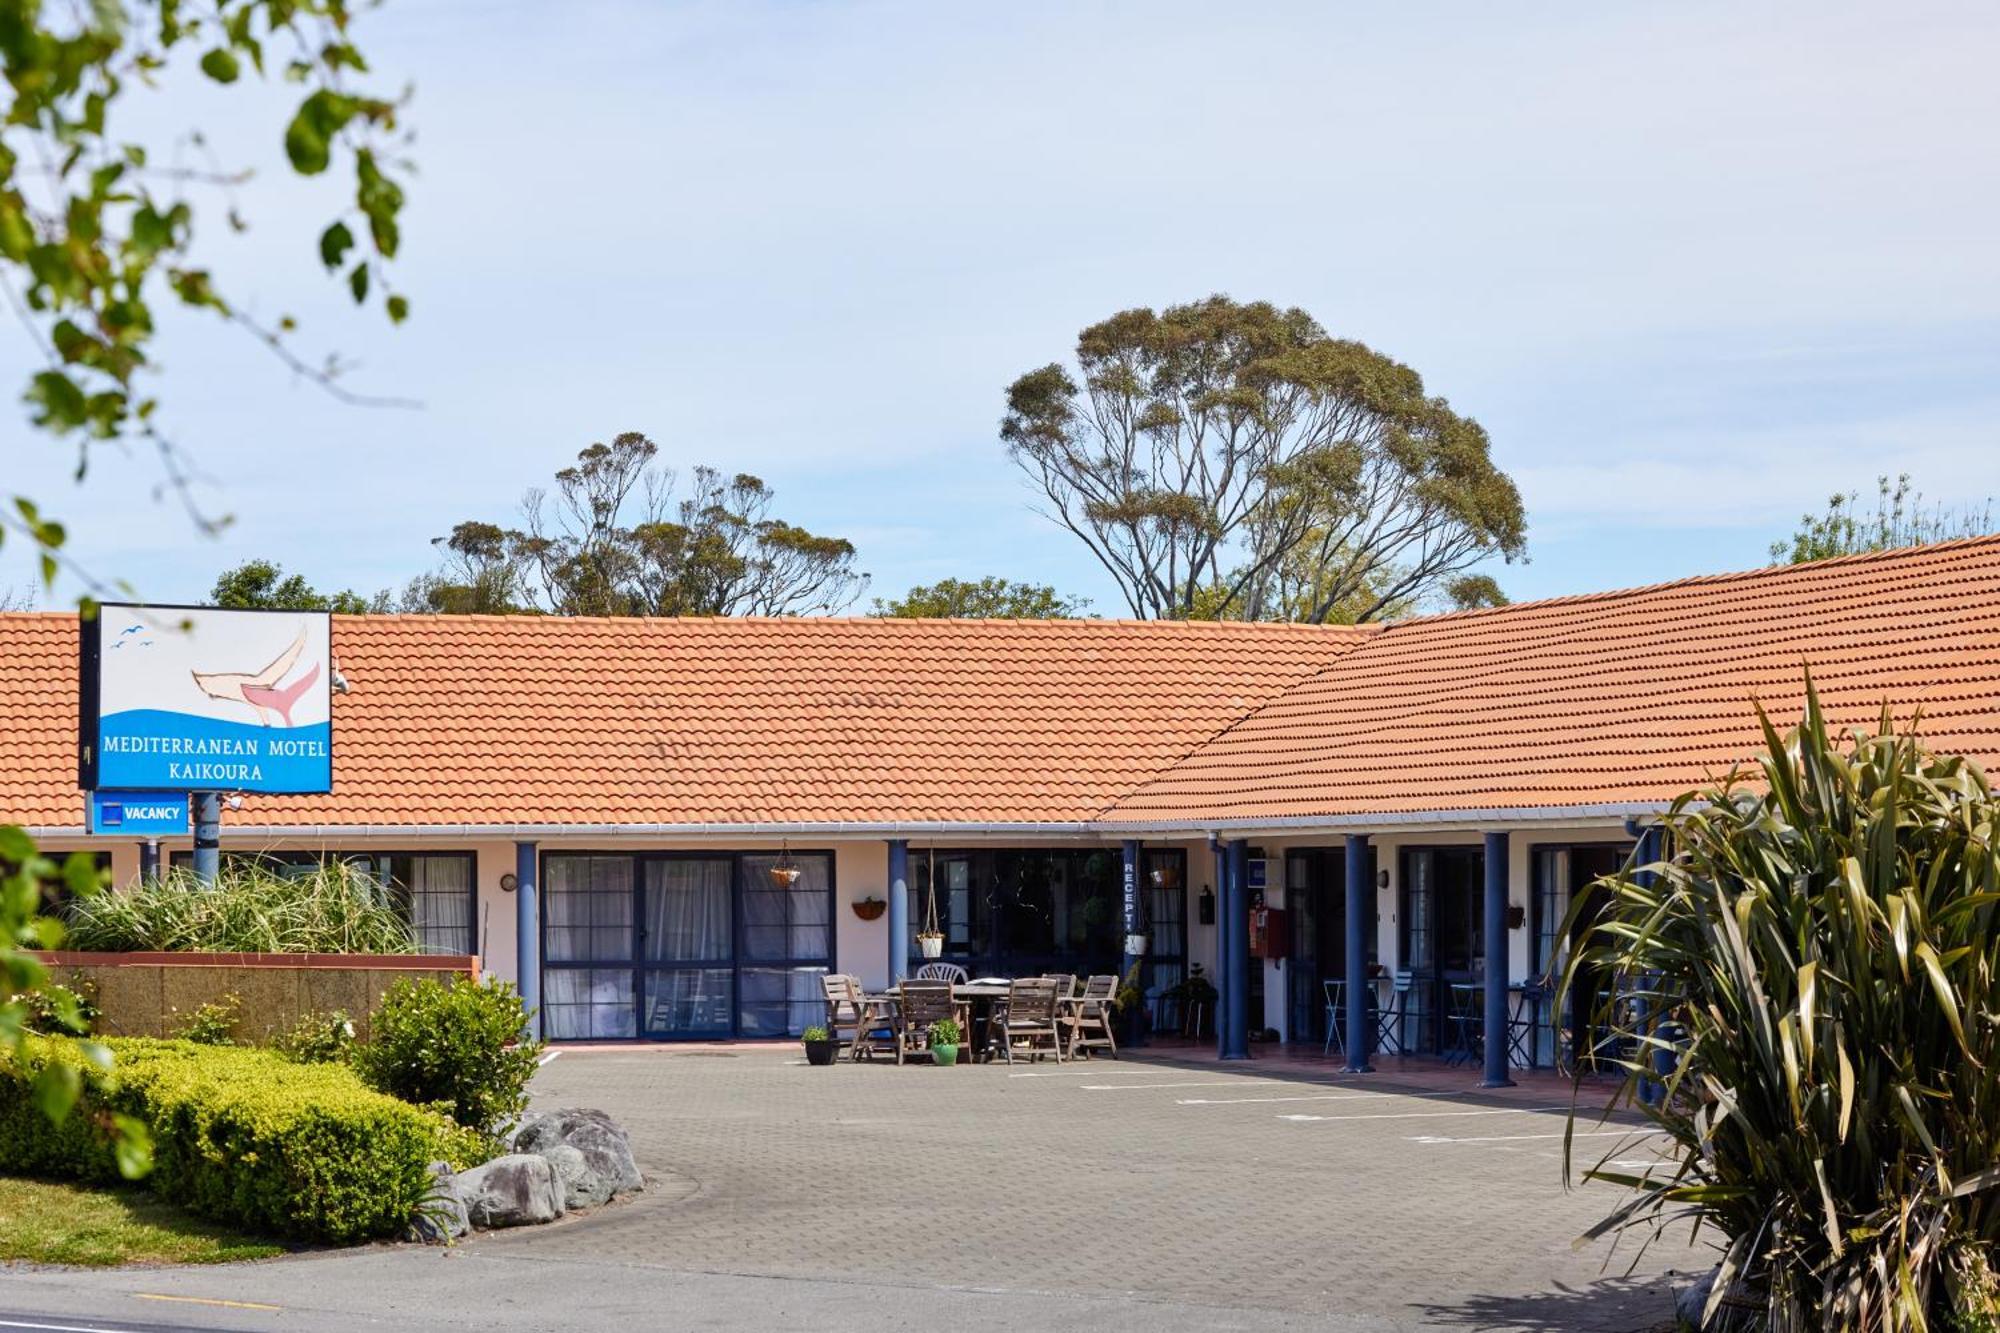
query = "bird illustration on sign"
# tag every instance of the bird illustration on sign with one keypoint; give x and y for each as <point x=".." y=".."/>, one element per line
<point x="260" y="689"/>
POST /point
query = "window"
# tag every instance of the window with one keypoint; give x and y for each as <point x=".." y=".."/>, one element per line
<point x="670" y="944"/>
<point x="434" y="892"/>
<point x="1018" y="911"/>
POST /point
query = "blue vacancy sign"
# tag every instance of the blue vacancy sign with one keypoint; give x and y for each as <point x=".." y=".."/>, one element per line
<point x="199" y="699"/>
<point x="139" y="814"/>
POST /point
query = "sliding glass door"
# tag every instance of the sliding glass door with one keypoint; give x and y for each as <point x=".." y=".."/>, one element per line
<point x="688" y="986"/>
<point x="668" y="945"/>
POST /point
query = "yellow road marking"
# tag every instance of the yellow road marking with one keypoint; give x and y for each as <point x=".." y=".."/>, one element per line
<point x="206" y="1300"/>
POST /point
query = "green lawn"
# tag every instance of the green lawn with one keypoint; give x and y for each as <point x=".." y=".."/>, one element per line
<point x="48" y="1223"/>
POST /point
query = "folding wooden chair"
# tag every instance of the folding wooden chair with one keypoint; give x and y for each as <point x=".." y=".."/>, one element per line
<point x="1088" y="1019"/>
<point x="1030" y="1018"/>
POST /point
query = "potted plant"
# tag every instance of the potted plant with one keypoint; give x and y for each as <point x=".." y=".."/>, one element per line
<point x="944" y="1037"/>
<point x="930" y="940"/>
<point x="821" y="1048"/>
<point x="1131" y="1005"/>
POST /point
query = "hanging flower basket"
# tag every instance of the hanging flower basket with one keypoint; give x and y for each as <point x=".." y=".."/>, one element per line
<point x="784" y="871"/>
<point x="930" y="944"/>
<point x="870" y="909"/>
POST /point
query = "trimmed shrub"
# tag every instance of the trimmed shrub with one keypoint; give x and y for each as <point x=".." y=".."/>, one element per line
<point x="334" y="908"/>
<point x="242" y="1136"/>
<point x="458" y="1047"/>
<point x="318" y="1039"/>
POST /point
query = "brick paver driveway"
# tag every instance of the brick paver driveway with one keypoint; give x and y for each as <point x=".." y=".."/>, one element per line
<point x="1405" y="1200"/>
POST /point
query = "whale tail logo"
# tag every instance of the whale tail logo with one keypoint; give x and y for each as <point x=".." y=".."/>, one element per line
<point x="260" y="690"/>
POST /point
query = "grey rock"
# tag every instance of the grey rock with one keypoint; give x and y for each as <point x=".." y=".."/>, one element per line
<point x="1741" y="1307"/>
<point x="442" y="1217"/>
<point x="582" y="1187"/>
<point x="519" y="1189"/>
<point x="519" y="1127"/>
<point x="604" y="1145"/>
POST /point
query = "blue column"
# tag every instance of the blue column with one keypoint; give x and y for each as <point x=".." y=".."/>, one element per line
<point x="1496" y="963"/>
<point x="1360" y="890"/>
<point x="1134" y="915"/>
<point x="1651" y="1091"/>
<point x="1236" y="904"/>
<point x="528" y="932"/>
<point x="1221" y="943"/>
<point x="899" y="909"/>
<point x="207" y="836"/>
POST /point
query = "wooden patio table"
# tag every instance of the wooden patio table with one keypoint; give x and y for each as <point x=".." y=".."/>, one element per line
<point x="978" y="997"/>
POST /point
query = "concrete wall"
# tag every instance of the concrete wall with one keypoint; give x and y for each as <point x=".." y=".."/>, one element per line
<point x="152" y="995"/>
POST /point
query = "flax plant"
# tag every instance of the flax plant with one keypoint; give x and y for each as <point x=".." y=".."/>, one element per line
<point x="1806" y="1010"/>
<point x="334" y="908"/>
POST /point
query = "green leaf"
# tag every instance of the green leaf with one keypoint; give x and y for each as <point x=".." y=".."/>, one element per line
<point x="221" y="65"/>
<point x="334" y="243"/>
<point x="357" y="282"/>
<point x="399" y="309"/>
<point x="309" y="138"/>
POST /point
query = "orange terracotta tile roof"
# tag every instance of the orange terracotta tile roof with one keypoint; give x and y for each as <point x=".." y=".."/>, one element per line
<point x="1621" y="697"/>
<point x="491" y="720"/>
<point x="1602" y="700"/>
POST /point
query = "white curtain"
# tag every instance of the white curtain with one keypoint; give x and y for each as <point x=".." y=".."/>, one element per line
<point x="687" y="910"/>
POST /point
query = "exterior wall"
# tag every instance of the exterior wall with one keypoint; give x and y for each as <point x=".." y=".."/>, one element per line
<point x="1520" y="884"/>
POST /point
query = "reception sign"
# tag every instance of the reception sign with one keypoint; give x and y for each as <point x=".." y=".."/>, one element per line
<point x="139" y="814"/>
<point x="200" y="699"/>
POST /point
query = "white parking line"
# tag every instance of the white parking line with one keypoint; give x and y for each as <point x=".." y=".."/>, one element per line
<point x="1517" y="1138"/>
<point x="1421" y="1115"/>
<point x="1212" y="1083"/>
<point x="1313" y="1097"/>
<point x="546" y="1057"/>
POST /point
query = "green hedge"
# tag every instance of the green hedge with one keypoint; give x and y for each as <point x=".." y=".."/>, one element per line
<point x="239" y="1135"/>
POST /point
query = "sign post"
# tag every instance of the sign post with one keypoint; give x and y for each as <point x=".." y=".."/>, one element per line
<point x="182" y="704"/>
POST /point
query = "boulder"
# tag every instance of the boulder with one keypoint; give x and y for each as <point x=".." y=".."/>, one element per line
<point x="441" y="1219"/>
<point x="582" y="1187"/>
<point x="1741" y="1307"/>
<point x="605" y="1146"/>
<point x="519" y="1189"/>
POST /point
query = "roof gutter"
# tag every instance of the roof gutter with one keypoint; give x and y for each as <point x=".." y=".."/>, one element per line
<point x="963" y="830"/>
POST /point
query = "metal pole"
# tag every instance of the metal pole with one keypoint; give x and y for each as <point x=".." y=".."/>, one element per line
<point x="899" y="909"/>
<point x="528" y="933"/>
<point x="1236" y="1042"/>
<point x="149" y="861"/>
<point x="1360" y="885"/>
<point x="207" y="836"/>
<point x="1496" y="963"/>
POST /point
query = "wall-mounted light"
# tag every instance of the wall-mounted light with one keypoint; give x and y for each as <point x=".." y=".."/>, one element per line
<point x="509" y="882"/>
<point x="1205" y="909"/>
<point x="1381" y="879"/>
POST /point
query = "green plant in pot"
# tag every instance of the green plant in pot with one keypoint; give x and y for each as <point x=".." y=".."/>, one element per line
<point x="944" y="1038"/>
<point x="821" y="1048"/>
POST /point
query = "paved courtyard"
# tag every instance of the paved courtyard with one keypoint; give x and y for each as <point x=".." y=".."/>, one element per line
<point x="1162" y="1191"/>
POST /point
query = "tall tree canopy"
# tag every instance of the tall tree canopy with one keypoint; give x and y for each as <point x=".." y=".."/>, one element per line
<point x="263" y="585"/>
<point x="1231" y="460"/>
<point x="94" y="232"/>
<point x="1901" y="518"/>
<point x="617" y="537"/>
<point x="990" y="598"/>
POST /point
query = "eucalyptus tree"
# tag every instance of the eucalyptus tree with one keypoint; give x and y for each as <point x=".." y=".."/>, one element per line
<point x="1230" y="460"/>
<point x="618" y="536"/>
<point x="989" y="598"/>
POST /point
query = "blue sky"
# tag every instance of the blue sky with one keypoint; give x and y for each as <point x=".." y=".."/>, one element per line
<point x="1693" y="266"/>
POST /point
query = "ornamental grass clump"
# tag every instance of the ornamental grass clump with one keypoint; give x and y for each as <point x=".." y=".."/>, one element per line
<point x="1808" y="1013"/>
<point x="332" y="908"/>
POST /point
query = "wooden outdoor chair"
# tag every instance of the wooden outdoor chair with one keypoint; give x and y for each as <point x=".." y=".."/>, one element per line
<point x="850" y="1013"/>
<point x="1065" y="983"/>
<point x="923" y="1003"/>
<point x="1030" y="1018"/>
<point x="1087" y="1020"/>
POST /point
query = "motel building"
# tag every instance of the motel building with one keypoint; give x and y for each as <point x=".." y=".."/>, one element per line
<point x="594" y="806"/>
